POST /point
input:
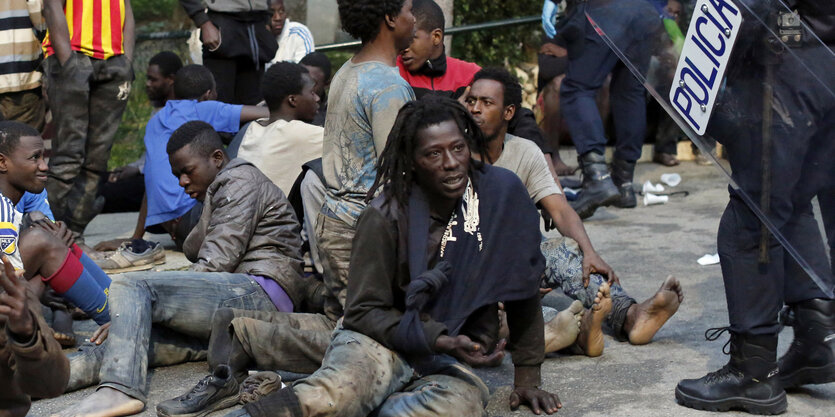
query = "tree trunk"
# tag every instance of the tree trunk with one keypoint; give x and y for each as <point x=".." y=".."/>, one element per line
<point x="446" y="6"/>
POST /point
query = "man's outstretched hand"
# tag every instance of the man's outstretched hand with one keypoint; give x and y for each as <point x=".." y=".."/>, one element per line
<point x="13" y="302"/>
<point x="538" y="400"/>
<point x="465" y="350"/>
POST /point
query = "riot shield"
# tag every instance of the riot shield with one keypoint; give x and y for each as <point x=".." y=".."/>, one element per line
<point x="754" y="76"/>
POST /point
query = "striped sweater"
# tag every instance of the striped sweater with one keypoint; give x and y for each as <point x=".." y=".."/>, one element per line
<point x="20" y="49"/>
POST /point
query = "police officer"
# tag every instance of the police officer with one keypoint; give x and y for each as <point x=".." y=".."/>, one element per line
<point x="781" y="167"/>
<point x="590" y="61"/>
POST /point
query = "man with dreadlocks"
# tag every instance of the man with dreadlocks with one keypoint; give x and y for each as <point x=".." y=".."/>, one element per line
<point x="434" y="253"/>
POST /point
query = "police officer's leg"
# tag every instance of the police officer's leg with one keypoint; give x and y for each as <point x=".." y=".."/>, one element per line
<point x="630" y="116"/>
<point x="587" y="70"/>
<point x="754" y="289"/>
<point x="811" y="357"/>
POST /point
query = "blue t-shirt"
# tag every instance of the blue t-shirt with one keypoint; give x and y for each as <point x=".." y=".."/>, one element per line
<point x="35" y="202"/>
<point x="166" y="199"/>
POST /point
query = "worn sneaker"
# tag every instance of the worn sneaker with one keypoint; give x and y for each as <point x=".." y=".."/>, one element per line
<point x="136" y="255"/>
<point x="214" y="392"/>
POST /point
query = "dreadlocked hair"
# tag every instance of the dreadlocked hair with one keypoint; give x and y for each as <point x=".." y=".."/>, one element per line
<point x="394" y="166"/>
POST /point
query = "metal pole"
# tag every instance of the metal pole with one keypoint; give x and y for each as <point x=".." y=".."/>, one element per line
<point x="184" y="34"/>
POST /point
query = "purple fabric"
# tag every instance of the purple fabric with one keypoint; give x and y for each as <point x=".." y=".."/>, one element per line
<point x="277" y="295"/>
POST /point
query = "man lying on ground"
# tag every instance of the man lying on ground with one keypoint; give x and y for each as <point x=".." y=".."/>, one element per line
<point x="246" y="254"/>
<point x="571" y="260"/>
<point x="443" y="243"/>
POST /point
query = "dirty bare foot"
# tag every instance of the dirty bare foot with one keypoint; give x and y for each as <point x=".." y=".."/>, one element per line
<point x="561" y="332"/>
<point x="645" y="319"/>
<point x="590" y="339"/>
<point x="106" y="402"/>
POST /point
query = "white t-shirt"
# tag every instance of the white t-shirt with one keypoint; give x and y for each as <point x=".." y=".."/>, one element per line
<point x="10" y="220"/>
<point x="294" y="42"/>
<point x="280" y="148"/>
<point x="527" y="161"/>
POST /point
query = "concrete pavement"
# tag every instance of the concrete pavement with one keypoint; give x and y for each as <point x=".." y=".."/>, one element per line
<point x="644" y="245"/>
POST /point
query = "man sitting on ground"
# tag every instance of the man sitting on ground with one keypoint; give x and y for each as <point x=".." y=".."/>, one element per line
<point x="279" y="145"/>
<point x="31" y="361"/>
<point x="319" y="67"/>
<point x="125" y="185"/>
<point x="45" y="249"/>
<point x="572" y="261"/>
<point x="166" y="208"/>
<point x="442" y="226"/>
<point x="427" y="68"/>
<point x="246" y="249"/>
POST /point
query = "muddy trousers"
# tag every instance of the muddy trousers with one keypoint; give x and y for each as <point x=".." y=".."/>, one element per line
<point x="88" y="98"/>
<point x="360" y="376"/>
<point x="244" y="339"/>
<point x="183" y="302"/>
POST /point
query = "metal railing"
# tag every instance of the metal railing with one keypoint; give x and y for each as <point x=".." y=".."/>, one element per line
<point x="184" y="34"/>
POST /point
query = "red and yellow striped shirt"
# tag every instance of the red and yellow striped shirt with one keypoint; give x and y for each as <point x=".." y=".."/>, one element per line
<point x="96" y="27"/>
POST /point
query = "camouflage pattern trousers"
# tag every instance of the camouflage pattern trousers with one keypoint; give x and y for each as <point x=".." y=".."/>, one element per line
<point x="87" y="97"/>
<point x="564" y="272"/>
<point x="359" y="376"/>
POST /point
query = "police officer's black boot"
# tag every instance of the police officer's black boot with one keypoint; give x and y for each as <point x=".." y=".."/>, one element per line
<point x="748" y="382"/>
<point x="622" y="173"/>
<point x="598" y="188"/>
<point x="811" y="357"/>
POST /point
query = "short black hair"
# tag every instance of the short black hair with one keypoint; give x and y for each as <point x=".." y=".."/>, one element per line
<point x="318" y="60"/>
<point x="168" y="62"/>
<point x="11" y="132"/>
<point x="281" y="80"/>
<point x="394" y="166"/>
<point x="512" y="89"/>
<point x="362" y="18"/>
<point x="192" y="81"/>
<point x="428" y="15"/>
<point x="200" y="135"/>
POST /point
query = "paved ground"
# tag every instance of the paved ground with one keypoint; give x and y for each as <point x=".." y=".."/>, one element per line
<point x="644" y="245"/>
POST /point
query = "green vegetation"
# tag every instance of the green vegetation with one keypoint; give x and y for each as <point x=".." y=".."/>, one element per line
<point x="153" y="10"/>
<point x="502" y="46"/>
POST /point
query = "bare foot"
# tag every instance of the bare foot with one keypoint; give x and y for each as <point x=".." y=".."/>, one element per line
<point x="590" y="339"/>
<point x="106" y="402"/>
<point x="645" y="319"/>
<point x="561" y="332"/>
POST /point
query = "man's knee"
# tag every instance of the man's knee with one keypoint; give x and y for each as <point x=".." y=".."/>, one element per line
<point x="36" y="241"/>
<point x="222" y="319"/>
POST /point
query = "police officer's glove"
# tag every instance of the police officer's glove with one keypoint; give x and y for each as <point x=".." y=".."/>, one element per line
<point x="549" y="13"/>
